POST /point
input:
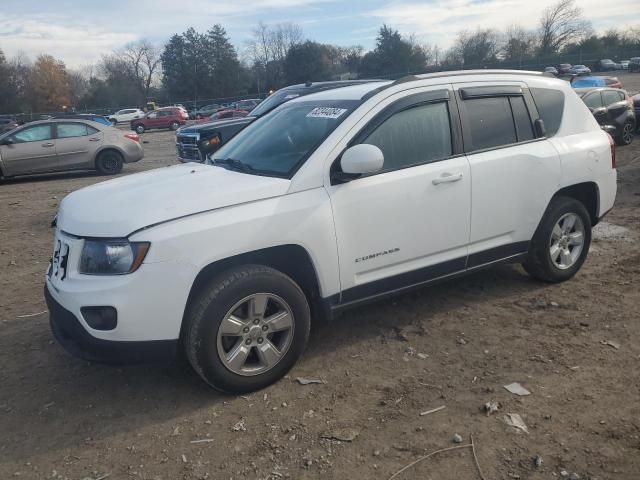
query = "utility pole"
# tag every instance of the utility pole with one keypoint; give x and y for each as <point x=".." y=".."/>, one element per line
<point x="195" y="86"/>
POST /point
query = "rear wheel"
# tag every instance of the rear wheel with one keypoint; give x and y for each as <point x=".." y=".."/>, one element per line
<point x="561" y="242"/>
<point x="109" y="162"/>
<point x="139" y="129"/>
<point x="626" y="133"/>
<point x="246" y="329"/>
<point x="174" y="126"/>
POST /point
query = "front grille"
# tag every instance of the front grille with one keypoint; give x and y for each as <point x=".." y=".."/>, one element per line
<point x="187" y="140"/>
<point x="189" y="153"/>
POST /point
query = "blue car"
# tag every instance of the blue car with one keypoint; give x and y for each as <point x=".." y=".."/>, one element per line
<point x="585" y="82"/>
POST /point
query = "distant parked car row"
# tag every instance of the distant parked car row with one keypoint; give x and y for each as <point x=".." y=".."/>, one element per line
<point x="213" y="109"/>
<point x="604" y="65"/>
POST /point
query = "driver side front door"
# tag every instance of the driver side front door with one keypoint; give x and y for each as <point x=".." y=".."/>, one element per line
<point x="409" y="223"/>
<point x="30" y="150"/>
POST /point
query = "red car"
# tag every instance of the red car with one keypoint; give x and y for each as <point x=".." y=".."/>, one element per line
<point x="168" y="117"/>
<point x="230" y="113"/>
<point x="613" y="82"/>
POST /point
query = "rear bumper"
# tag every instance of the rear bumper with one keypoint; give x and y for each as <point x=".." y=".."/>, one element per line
<point x="70" y="333"/>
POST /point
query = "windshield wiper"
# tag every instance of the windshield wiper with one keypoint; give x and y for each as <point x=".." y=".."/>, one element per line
<point x="234" y="164"/>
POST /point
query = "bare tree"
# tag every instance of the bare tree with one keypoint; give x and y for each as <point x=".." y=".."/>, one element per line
<point x="518" y="43"/>
<point x="560" y="24"/>
<point x="472" y="48"/>
<point x="143" y="62"/>
<point x="268" y="49"/>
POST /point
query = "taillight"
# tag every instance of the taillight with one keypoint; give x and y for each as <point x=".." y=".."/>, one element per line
<point x="613" y="151"/>
<point x="132" y="136"/>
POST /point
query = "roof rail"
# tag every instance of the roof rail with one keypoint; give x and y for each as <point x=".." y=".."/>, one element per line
<point x="453" y="73"/>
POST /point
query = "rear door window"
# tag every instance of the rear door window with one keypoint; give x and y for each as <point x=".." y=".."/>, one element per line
<point x="69" y="130"/>
<point x="611" y="96"/>
<point x="522" y="119"/>
<point x="490" y="122"/>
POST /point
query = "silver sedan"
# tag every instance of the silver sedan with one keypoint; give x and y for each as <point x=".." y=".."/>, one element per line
<point x="59" y="145"/>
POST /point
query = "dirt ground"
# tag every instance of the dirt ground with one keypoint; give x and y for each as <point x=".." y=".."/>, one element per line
<point x="456" y="344"/>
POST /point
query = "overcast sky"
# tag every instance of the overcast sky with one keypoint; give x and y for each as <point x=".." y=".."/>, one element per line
<point x="79" y="31"/>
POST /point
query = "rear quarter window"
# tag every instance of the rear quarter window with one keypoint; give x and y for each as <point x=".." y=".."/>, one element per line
<point x="550" y="105"/>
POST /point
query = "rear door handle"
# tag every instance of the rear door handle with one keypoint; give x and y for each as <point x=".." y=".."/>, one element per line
<point x="447" y="178"/>
<point x="48" y="145"/>
<point x="94" y="139"/>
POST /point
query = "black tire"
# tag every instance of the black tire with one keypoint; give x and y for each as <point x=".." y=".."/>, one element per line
<point x="625" y="137"/>
<point x="113" y="121"/>
<point x="174" y="126"/>
<point x="211" y="305"/>
<point x="139" y="128"/>
<point x="539" y="264"/>
<point x="109" y="162"/>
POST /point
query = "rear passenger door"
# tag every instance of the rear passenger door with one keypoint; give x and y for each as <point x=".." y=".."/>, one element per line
<point x="514" y="174"/>
<point x="76" y="145"/>
<point x="616" y="106"/>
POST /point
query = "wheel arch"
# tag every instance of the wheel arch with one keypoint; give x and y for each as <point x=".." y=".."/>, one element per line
<point x="586" y="193"/>
<point x="108" y="148"/>
<point x="291" y="259"/>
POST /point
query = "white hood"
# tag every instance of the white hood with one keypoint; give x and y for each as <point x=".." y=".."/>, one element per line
<point x="118" y="207"/>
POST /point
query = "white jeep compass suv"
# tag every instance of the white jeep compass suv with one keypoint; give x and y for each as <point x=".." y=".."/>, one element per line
<point x="330" y="200"/>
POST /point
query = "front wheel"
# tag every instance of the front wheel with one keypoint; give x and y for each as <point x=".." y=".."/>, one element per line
<point x="246" y="328"/>
<point x="561" y="242"/>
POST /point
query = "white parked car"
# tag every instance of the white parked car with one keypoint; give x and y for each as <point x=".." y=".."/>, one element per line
<point x="126" y="115"/>
<point x="331" y="200"/>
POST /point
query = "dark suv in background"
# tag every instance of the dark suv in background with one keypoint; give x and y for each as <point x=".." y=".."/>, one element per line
<point x="195" y="142"/>
<point x="614" y="111"/>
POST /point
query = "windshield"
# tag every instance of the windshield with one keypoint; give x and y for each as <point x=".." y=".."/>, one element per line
<point x="271" y="102"/>
<point x="278" y="143"/>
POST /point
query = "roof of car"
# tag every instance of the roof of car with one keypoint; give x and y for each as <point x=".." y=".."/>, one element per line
<point x="360" y="91"/>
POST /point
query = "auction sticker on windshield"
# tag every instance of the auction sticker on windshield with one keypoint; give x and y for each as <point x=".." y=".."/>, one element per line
<point x="326" y="112"/>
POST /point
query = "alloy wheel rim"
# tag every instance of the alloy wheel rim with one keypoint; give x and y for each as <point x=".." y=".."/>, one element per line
<point x="110" y="163"/>
<point x="627" y="133"/>
<point x="567" y="241"/>
<point x="255" y="334"/>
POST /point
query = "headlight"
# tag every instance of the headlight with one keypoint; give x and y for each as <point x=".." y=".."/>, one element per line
<point x="112" y="257"/>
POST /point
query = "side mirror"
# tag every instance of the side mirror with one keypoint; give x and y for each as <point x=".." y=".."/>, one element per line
<point x="538" y="124"/>
<point x="7" y="141"/>
<point x="361" y="159"/>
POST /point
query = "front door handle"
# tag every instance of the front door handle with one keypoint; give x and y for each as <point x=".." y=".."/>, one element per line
<point x="447" y="178"/>
<point x="94" y="139"/>
<point x="48" y="145"/>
